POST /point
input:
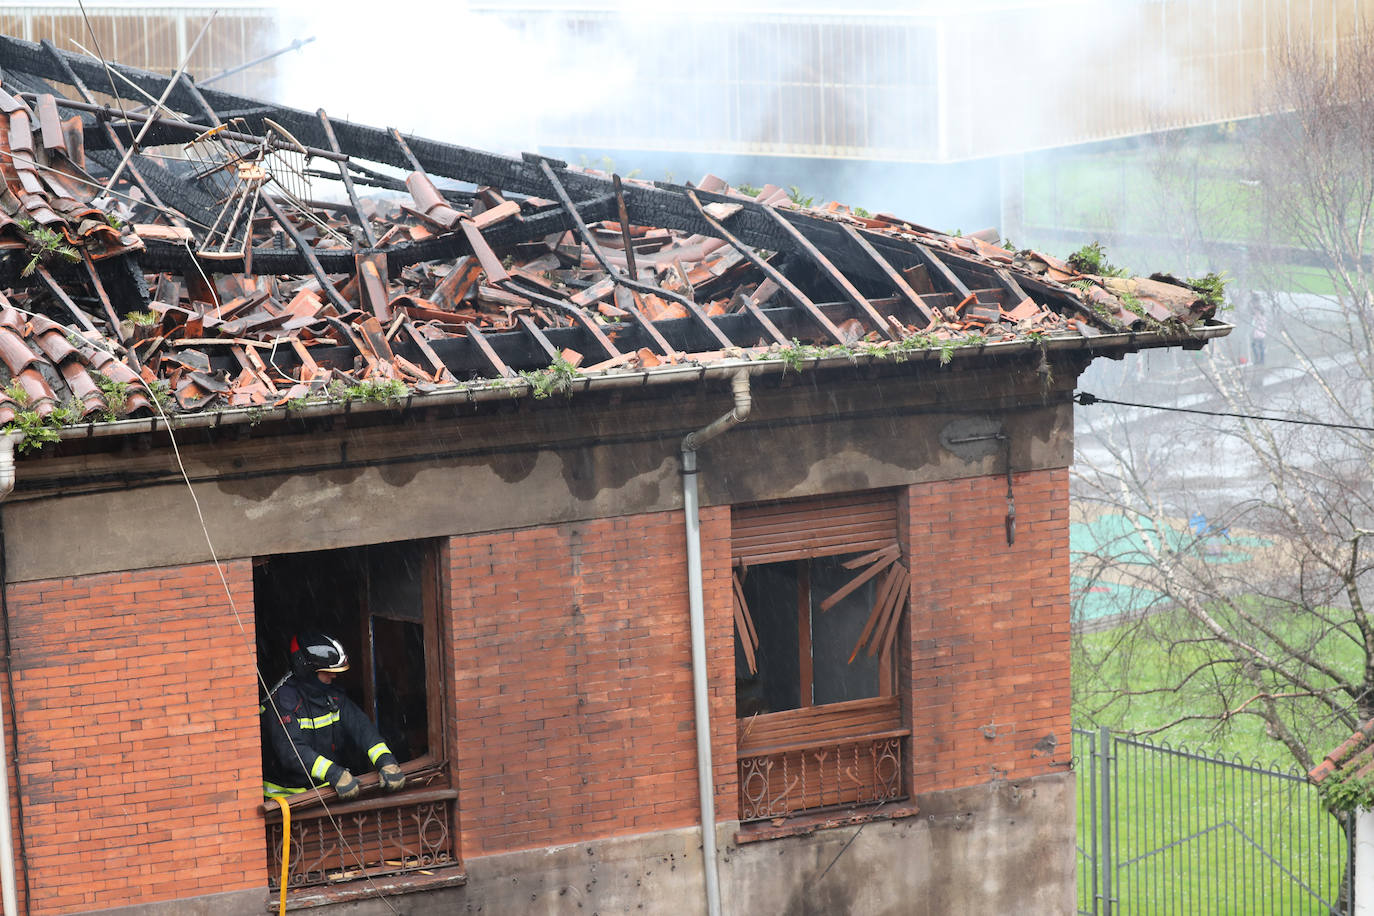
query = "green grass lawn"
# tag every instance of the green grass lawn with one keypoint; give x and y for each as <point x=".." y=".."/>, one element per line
<point x="1193" y="834"/>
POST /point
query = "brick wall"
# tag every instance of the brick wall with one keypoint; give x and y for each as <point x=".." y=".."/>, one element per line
<point x="570" y="703"/>
<point x="572" y="680"/>
<point x="138" y="761"/>
<point x="989" y="629"/>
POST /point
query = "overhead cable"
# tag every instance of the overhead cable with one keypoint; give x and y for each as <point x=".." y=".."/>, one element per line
<point x="1085" y="398"/>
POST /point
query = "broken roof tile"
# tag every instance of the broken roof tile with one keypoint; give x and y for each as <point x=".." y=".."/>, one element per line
<point x="459" y="284"/>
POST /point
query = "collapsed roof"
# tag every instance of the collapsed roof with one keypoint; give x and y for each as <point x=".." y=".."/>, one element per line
<point x="175" y="257"/>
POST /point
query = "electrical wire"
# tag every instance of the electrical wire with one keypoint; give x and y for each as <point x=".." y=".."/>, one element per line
<point x="100" y="55"/>
<point x="271" y="700"/>
<point x="233" y="607"/>
<point x="1086" y="399"/>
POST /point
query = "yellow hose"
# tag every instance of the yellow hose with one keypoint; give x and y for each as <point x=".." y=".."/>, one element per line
<point x="285" y="807"/>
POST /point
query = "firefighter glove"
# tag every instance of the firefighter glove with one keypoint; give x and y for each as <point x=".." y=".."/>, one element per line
<point x="392" y="777"/>
<point x="347" y="787"/>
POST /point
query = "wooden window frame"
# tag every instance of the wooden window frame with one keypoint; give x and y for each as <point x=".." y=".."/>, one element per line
<point x="428" y="804"/>
<point x="790" y="762"/>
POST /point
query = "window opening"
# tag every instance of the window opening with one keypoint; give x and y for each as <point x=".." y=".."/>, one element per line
<point x="820" y="588"/>
<point x="381" y="603"/>
<point x="816" y="631"/>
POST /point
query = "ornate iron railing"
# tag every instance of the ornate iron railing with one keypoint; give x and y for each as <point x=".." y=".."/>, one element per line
<point x="782" y="781"/>
<point x="368" y="839"/>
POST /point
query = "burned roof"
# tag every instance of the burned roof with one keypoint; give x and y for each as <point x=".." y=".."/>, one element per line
<point x="177" y="256"/>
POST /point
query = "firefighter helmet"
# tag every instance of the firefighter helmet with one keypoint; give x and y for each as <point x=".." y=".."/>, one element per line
<point x="314" y="651"/>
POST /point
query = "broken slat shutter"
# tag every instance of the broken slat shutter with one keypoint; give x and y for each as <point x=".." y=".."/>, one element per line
<point x="799" y="529"/>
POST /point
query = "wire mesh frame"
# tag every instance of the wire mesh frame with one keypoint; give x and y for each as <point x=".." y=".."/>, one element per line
<point x="238" y="172"/>
<point x="1166" y="830"/>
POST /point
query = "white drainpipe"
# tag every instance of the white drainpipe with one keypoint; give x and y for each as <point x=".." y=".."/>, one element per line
<point x="7" y="892"/>
<point x="705" y="782"/>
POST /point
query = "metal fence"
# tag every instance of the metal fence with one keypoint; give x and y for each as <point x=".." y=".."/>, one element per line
<point x="1164" y="830"/>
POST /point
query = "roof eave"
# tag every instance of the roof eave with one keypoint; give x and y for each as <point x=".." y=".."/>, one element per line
<point x="511" y="389"/>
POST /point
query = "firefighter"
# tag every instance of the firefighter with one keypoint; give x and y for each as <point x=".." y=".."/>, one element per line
<point x="311" y="725"/>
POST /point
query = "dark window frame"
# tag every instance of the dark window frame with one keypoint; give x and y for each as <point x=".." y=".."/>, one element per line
<point x="401" y="854"/>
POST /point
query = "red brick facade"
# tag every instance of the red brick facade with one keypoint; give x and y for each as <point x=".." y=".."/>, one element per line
<point x="574" y="683"/>
<point x="569" y="689"/>
<point x="138" y="736"/>
<point x="989" y="629"/>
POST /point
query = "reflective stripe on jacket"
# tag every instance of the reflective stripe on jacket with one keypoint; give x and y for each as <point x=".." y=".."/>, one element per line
<point x="315" y="733"/>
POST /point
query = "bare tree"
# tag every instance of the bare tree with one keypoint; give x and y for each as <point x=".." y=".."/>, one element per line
<point x="1242" y="542"/>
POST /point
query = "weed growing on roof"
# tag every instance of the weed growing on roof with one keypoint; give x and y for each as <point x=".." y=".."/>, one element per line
<point x="1132" y="304"/>
<point x="35" y="430"/>
<point x="160" y="392"/>
<point x="861" y="213"/>
<point x="115" y="394"/>
<point x="749" y="189"/>
<point x="947" y="348"/>
<point x="1090" y="259"/>
<point x="38" y="431"/>
<point x="16" y="393"/>
<point x="876" y="349"/>
<point x="792" y="357"/>
<point x="795" y="195"/>
<point x="1345" y="791"/>
<point x="556" y="379"/>
<point x="1212" y="289"/>
<point x="44" y="244"/>
<point x="141" y="319"/>
<point x="387" y="391"/>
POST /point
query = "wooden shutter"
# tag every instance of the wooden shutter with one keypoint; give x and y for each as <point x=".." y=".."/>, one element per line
<point x="803" y="528"/>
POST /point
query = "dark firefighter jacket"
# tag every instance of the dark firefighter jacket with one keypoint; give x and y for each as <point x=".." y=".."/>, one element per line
<point x="313" y="727"/>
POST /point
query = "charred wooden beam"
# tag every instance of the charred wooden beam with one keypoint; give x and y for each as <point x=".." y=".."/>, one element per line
<point x="894" y="276"/>
<point x="753" y="311"/>
<point x="61" y="296"/>
<point x="363" y="222"/>
<point x="110" y="314"/>
<point x="307" y="253"/>
<point x="487" y="352"/>
<point x="837" y="277"/>
<point x="539" y="337"/>
<point x="769" y="271"/>
<point x="623" y="216"/>
<point x="939" y="268"/>
<point x="625" y="300"/>
<point x="692" y="308"/>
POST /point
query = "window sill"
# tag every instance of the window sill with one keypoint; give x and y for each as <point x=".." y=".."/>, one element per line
<point x="308" y="898"/>
<point x="805" y="824"/>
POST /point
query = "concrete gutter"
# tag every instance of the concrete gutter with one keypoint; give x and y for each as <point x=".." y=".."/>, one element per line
<point x="504" y="390"/>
